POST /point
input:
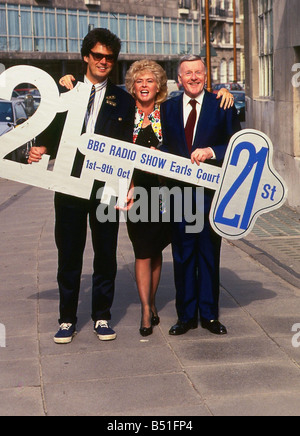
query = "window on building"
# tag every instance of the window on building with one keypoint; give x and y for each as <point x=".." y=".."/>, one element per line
<point x="265" y="35"/>
<point x="50" y="32"/>
<point x="132" y="35"/>
<point x="46" y="29"/>
<point x="231" y="70"/>
<point x="194" y="5"/>
<point x="150" y="36"/>
<point x="214" y="74"/>
<point x="223" y="71"/>
<point x="185" y="4"/>
<point x="188" y="4"/>
<point x="231" y="36"/>
<point x="73" y="32"/>
<point x="26" y="31"/>
<point x="13" y="29"/>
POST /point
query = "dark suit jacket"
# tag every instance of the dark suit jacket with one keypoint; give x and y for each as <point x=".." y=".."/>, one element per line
<point x="214" y="129"/>
<point x="115" y="121"/>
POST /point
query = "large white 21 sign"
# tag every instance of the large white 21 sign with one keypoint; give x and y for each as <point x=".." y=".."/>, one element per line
<point x="246" y="186"/>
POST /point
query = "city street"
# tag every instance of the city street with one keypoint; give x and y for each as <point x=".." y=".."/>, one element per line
<point x="254" y="370"/>
<point x="251" y="48"/>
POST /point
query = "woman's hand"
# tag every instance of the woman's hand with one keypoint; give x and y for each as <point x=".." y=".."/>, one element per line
<point x="36" y="153"/>
<point x="227" y="98"/>
<point x="128" y="201"/>
<point x="66" y="81"/>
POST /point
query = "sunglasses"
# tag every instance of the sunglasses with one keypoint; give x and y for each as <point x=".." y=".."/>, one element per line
<point x="99" y="56"/>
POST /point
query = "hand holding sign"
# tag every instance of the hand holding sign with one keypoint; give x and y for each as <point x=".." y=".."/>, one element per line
<point x="246" y="186"/>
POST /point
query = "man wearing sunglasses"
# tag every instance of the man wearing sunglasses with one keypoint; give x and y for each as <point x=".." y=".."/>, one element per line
<point x="110" y="114"/>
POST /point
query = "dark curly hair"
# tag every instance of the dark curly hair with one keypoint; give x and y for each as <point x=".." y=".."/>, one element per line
<point x="104" y="37"/>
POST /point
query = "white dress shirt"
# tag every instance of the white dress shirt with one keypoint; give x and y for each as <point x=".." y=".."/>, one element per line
<point x="90" y="120"/>
<point x="187" y="107"/>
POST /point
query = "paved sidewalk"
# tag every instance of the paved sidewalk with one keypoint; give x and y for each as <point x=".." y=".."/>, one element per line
<point x="275" y="242"/>
<point x="254" y="370"/>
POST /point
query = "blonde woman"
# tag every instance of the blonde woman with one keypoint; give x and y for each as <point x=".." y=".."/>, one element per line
<point x="146" y="81"/>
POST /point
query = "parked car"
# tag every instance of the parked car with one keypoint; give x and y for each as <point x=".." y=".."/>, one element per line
<point x="33" y="93"/>
<point x="240" y="104"/>
<point x="12" y="114"/>
<point x="172" y="86"/>
<point x="233" y="86"/>
<point x="175" y="93"/>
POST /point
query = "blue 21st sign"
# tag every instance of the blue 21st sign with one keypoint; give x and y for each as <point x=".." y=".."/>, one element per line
<point x="250" y="185"/>
<point x="245" y="187"/>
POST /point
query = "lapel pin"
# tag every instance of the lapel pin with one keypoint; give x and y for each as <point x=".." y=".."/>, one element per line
<point x="112" y="103"/>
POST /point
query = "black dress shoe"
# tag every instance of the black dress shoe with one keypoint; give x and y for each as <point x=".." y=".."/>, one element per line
<point x="180" y="328"/>
<point x="214" y="326"/>
<point x="146" y="331"/>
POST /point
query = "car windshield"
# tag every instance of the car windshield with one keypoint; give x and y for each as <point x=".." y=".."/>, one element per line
<point x="239" y="97"/>
<point x="216" y="87"/>
<point x="236" y="87"/>
<point x="6" y="112"/>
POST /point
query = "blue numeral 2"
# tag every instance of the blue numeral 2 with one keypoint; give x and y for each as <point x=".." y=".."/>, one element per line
<point x="258" y="158"/>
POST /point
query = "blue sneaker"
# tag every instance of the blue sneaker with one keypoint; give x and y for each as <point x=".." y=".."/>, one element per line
<point x="104" y="331"/>
<point x="65" y="333"/>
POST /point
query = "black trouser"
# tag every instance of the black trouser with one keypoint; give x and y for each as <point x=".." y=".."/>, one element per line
<point x="70" y="237"/>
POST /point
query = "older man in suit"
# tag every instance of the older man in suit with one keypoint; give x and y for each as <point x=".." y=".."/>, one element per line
<point x="110" y="113"/>
<point x="194" y="126"/>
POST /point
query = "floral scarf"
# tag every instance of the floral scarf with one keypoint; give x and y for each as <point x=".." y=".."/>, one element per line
<point x="154" y="118"/>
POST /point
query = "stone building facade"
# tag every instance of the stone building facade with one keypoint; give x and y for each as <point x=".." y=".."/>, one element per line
<point x="48" y="33"/>
<point x="272" y="53"/>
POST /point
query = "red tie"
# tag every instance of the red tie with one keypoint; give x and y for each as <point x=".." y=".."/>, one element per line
<point x="190" y="125"/>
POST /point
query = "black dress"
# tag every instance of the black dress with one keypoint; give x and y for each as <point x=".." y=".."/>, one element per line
<point x="148" y="238"/>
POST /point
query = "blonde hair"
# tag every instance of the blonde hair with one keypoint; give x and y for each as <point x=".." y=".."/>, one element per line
<point x="159" y="73"/>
